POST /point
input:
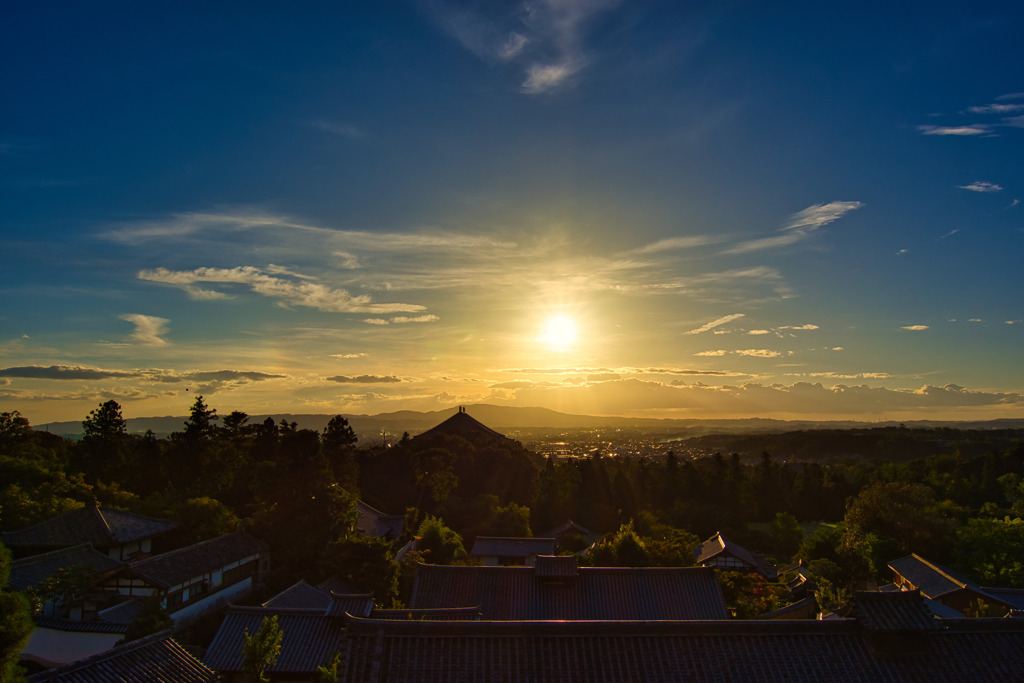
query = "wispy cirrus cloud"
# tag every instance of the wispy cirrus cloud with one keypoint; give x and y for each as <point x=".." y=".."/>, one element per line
<point x="148" y="328"/>
<point x="715" y="323"/>
<point x="303" y="293"/>
<point x="915" y="328"/>
<point x="365" y="379"/>
<point x="800" y="226"/>
<point x="981" y="186"/>
<point x="758" y="353"/>
<point x="960" y="131"/>
<point x="546" y="37"/>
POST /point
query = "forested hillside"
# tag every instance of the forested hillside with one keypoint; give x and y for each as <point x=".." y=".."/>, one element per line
<point x="295" y="488"/>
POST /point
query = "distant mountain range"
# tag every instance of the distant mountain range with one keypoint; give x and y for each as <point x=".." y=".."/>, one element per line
<point x="533" y="421"/>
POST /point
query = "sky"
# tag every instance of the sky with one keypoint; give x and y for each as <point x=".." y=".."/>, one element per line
<point x="792" y="210"/>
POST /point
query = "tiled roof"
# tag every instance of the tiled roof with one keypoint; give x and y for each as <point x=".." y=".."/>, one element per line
<point x="503" y="546"/>
<point x="722" y="651"/>
<point x="122" y="613"/>
<point x="358" y="605"/>
<point x="893" y="612"/>
<point x="518" y="593"/>
<point x="375" y="523"/>
<point x="300" y="595"/>
<point x="932" y="579"/>
<point x="75" y="626"/>
<point x="102" y="527"/>
<point x="177" y="566"/>
<point x="451" y="614"/>
<point x="717" y="545"/>
<point x="461" y="424"/>
<point x="556" y="566"/>
<point x="1013" y="597"/>
<point x="154" y="658"/>
<point x="309" y="639"/>
<point x="29" y="571"/>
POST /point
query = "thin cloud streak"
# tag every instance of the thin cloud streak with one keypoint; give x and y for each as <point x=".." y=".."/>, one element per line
<point x="715" y="323"/>
<point x="800" y="226"/>
<point x="307" y="294"/>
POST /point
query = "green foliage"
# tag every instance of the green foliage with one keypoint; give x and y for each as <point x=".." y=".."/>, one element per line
<point x="889" y="519"/>
<point x="831" y="598"/>
<point x="434" y="470"/>
<point x="662" y="546"/>
<point x="203" y="518"/>
<point x="152" y="619"/>
<point x="338" y="434"/>
<point x="105" y="424"/>
<point x="330" y="673"/>
<point x="991" y="551"/>
<point x="511" y="520"/>
<point x="438" y="543"/>
<point x="14" y="431"/>
<point x="200" y="424"/>
<point x="624" y="549"/>
<point x="786" y="533"/>
<point x="365" y="561"/>
<point x="67" y="587"/>
<point x="749" y="595"/>
<point x="15" y="622"/>
<point x="261" y="650"/>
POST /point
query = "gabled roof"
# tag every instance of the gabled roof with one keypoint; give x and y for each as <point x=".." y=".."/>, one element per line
<point x="310" y="639"/>
<point x="302" y="596"/>
<point x="933" y="580"/>
<point x="29" y="571"/>
<point x="523" y="593"/>
<point x="556" y="566"/>
<point x="721" y="651"/>
<point x="375" y="523"/>
<point x="506" y="546"/>
<point x="461" y="424"/>
<point x="154" y="658"/>
<point x="717" y="545"/>
<point x="122" y="613"/>
<point x="102" y="527"/>
<point x="358" y="605"/>
<point x="177" y="566"/>
<point x="893" y="612"/>
<point x="76" y="626"/>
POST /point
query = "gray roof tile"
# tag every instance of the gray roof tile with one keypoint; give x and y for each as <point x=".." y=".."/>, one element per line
<point x="29" y="571"/>
<point x="102" y="527"/>
<point x="155" y="658"/>
<point x="519" y="593"/>
<point x="309" y="639"/>
<point x="719" y="651"/>
<point x="177" y="566"/>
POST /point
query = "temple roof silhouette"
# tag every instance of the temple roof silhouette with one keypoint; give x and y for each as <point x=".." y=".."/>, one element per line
<point x="461" y="424"/>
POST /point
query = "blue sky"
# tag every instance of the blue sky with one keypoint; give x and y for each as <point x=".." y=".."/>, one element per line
<point x="791" y="210"/>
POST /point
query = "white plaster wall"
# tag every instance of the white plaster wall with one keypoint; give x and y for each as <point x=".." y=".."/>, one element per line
<point x="211" y="601"/>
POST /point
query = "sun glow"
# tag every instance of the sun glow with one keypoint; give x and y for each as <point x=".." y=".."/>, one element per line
<point x="559" y="332"/>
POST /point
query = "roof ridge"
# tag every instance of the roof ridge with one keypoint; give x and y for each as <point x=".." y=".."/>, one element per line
<point x="177" y="551"/>
<point x="103" y="520"/>
<point x="54" y="553"/>
<point x="938" y="569"/>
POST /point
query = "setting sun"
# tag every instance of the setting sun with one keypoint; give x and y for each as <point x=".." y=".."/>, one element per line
<point x="559" y="332"/>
